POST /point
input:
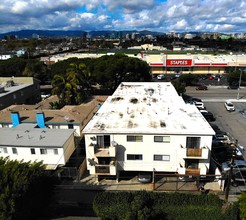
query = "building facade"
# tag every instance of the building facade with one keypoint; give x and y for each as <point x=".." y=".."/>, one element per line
<point x="18" y="90"/>
<point x="27" y="142"/>
<point x="146" y="127"/>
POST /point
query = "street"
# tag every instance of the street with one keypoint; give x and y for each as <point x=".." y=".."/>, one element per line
<point x="234" y="123"/>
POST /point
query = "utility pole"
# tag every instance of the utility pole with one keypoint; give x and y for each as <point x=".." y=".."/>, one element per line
<point x="239" y="83"/>
<point x="229" y="177"/>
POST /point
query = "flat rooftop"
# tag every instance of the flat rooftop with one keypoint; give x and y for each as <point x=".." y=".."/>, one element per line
<point x="27" y="135"/>
<point x="148" y="108"/>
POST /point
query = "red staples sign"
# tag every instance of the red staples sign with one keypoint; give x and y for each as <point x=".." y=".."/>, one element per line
<point x="179" y="62"/>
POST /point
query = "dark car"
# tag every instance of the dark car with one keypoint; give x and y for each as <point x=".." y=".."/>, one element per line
<point x="202" y="87"/>
<point x="208" y="116"/>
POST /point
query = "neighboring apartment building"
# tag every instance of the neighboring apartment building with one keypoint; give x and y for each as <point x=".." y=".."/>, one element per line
<point x="28" y="142"/>
<point x="146" y="127"/>
<point x="69" y="117"/>
<point x="32" y="132"/>
<point x="18" y="90"/>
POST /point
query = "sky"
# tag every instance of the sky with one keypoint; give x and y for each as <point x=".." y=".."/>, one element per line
<point x="226" y="16"/>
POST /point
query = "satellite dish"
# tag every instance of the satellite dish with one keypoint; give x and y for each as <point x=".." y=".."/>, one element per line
<point x="114" y="143"/>
<point x="66" y="118"/>
<point x="92" y="162"/>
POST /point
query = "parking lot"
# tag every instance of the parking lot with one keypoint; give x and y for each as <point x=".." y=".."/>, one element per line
<point x="233" y="123"/>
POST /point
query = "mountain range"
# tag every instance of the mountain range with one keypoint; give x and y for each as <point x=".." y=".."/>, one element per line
<point x="75" y="33"/>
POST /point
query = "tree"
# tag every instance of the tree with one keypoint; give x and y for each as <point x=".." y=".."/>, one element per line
<point x="73" y="86"/>
<point x="110" y="71"/>
<point x="180" y="87"/>
<point x="233" y="77"/>
<point x="188" y="79"/>
<point x="25" y="189"/>
<point x="12" y="67"/>
<point x="35" y="68"/>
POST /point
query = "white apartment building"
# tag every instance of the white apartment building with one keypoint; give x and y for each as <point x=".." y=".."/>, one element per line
<point x="145" y="127"/>
<point x="27" y="142"/>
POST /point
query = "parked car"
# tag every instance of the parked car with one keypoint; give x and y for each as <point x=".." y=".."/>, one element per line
<point x="208" y="116"/>
<point x="160" y="77"/>
<point x="44" y="95"/>
<point x="144" y="177"/>
<point x="199" y="105"/>
<point x="202" y="87"/>
<point x="229" y="106"/>
<point x="220" y="138"/>
<point x="238" y="171"/>
<point x="203" y="111"/>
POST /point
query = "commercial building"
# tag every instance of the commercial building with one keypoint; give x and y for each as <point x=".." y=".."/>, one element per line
<point x="164" y="63"/>
<point x="194" y="63"/>
<point x="146" y="127"/>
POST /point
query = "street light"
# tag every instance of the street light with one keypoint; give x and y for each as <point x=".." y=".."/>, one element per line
<point x="239" y="83"/>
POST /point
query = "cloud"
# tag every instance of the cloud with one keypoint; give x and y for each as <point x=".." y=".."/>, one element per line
<point x="158" y="15"/>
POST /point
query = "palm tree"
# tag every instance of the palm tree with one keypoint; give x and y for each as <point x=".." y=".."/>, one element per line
<point x="71" y="88"/>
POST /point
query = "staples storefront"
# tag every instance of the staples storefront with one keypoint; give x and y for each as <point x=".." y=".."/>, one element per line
<point x="184" y="64"/>
<point x="179" y="66"/>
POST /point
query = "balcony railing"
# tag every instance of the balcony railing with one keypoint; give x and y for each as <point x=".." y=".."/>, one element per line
<point x="194" y="152"/>
<point x="102" y="169"/>
<point x="98" y="151"/>
<point x="105" y="169"/>
<point x="192" y="171"/>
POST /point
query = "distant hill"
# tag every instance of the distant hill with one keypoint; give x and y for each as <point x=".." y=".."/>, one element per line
<point x="61" y="33"/>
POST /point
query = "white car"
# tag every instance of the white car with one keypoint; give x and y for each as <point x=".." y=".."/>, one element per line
<point x="229" y="106"/>
<point x="160" y="76"/>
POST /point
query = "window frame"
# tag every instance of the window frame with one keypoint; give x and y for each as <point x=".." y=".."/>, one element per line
<point x="164" y="139"/>
<point x="134" y="138"/>
<point x="194" y="144"/>
<point x="43" y="151"/>
<point x="14" y="150"/>
<point x="163" y="156"/>
<point x="134" y="157"/>
<point x="33" y="151"/>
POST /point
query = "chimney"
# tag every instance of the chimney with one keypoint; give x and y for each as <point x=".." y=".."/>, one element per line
<point x="15" y="119"/>
<point x="99" y="106"/>
<point x="40" y="120"/>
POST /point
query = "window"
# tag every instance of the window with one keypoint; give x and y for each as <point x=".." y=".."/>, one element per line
<point x="5" y="150"/>
<point x="134" y="156"/>
<point x="135" y="138"/>
<point x="56" y="126"/>
<point x="14" y="150"/>
<point x="70" y="126"/>
<point x="191" y="164"/>
<point x="103" y="141"/>
<point x="43" y="151"/>
<point x="56" y="151"/>
<point x="164" y="139"/>
<point x="5" y="125"/>
<point x="33" y="151"/>
<point x="193" y="142"/>
<point x="14" y="96"/>
<point x="162" y="157"/>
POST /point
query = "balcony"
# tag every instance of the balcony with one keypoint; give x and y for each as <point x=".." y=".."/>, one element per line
<point x="192" y="152"/>
<point x="102" y="151"/>
<point x="192" y="171"/>
<point x="105" y="169"/>
<point x="105" y="152"/>
<point x="196" y="153"/>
